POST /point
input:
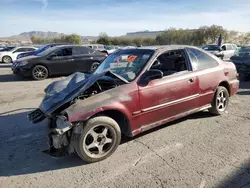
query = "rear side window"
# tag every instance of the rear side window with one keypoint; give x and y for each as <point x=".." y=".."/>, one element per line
<point x="30" y="49"/>
<point x="82" y="50"/>
<point x="20" y="50"/>
<point x="200" y="60"/>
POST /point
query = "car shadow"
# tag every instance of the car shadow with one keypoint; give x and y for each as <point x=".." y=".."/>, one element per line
<point x="238" y="178"/>
<point x="198" y="115"/>
<point x="243" y="93"/>
<point x="23" y="145"/>
<point x="12" y="78"/>
<point x="5" y="66"/>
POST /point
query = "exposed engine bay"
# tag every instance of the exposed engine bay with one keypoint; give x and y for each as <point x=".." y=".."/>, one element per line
<point x="78" y="86"/>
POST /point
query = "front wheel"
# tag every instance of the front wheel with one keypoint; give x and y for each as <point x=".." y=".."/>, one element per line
<point x="220" y="101"/>
<point x="98" y="140"/>
<point x="40" y="72"/>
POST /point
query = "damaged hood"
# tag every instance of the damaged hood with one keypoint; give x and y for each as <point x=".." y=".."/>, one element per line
<point x="63" y="91"/>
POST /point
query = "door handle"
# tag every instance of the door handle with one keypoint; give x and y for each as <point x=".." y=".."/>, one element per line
<point x="71" y="59"/>
<point x="191" y="80"/>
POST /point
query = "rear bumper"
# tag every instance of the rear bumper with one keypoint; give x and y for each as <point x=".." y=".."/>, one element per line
<point x="234" y="86"/>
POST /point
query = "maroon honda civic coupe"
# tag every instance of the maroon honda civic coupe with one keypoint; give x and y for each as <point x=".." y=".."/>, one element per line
<point x="133" y="90"/>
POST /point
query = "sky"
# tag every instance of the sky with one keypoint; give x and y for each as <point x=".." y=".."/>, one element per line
<point x="117" y="17"/>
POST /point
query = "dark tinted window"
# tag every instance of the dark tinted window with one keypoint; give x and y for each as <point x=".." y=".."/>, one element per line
<point x="200" y="60"/>
<point x="211" y="47"/>
<point x="30" y="49"/>
<point x="63" y="52"/>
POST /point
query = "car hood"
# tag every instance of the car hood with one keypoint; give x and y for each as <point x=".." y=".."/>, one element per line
<point x="63" y="91"/>
<point x="28" y="58"/>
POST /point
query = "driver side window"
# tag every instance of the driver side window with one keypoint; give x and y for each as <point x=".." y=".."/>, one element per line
<point x="63" y="52"/>
<point x="171" y="62"/>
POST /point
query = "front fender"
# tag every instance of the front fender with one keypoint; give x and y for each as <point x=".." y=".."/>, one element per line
<point x="114" y="99"/>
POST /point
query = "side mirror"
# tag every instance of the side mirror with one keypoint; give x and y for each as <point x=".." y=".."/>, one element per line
<point x="150" y="75"/>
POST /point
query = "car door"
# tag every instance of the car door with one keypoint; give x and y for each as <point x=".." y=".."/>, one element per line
<point x="205" y="67"/>
<point x="61" y="61"/>
<point x="83" y="58"/>
<point x="169" y="96"/>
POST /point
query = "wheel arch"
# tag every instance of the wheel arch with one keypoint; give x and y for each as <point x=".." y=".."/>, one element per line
<point x="226" y="85"/>
<point x="119" y="117"/>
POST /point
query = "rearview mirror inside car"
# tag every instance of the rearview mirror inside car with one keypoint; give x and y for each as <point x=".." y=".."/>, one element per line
<point x="150" y="75"/>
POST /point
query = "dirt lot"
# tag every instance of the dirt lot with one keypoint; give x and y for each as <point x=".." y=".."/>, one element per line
<point x="197" y="151"/>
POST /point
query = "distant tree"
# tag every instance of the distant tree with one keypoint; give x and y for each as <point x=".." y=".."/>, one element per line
<point x="103" y="39"/>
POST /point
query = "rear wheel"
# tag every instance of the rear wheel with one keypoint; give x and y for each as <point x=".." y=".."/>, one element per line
<point x="7" y="59"/>
<point x="40" y="72"/>
<point x="220" y="101"/>
<point x="98" y="140"/>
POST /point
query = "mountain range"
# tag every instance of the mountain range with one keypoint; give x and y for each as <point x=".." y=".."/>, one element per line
<point x="26" y="36"/>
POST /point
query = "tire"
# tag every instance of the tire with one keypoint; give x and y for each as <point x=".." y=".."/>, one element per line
<point x="40" y="72"/>
<point x="94" y="136"/>
<point x="7" y="59"/>
<point x="94" y="66"/>
<point x="221" y="99"/>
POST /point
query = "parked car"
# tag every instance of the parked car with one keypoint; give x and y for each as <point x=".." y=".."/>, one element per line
<point x="99" y="47"/>
<point x="39" y="50"/>
<point x="111" y="49"/>
<point x="11" y="55"/>
<point x="152" y="86"/>
<point x="228" y="50"/>
<point x="214" y="49"/>
<point x="8" y="48"/>
<point x="242" y="62"/>
<point x="59" y="60"/>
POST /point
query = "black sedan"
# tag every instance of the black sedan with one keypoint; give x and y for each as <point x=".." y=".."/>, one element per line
<point x="242" y="62"/>
<point x="59" y="60"/>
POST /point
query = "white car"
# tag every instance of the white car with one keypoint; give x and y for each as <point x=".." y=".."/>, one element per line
<point x="11" y="55"/>
<point x="228" y="50"/>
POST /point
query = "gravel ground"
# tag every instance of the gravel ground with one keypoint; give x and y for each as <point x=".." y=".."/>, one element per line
<point x="197" y="151"/>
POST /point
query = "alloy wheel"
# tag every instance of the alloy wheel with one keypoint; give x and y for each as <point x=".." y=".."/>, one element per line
<point x="221" y="101"/>
<point x="40" y="73"/>
<point x="98" y="141"/>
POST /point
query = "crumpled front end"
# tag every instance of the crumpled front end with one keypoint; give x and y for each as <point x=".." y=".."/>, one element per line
<point x="63" y="95"/>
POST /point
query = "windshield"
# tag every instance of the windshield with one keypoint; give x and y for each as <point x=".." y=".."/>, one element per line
<point x="47" y="51"/>
<point x="126" y="63"/>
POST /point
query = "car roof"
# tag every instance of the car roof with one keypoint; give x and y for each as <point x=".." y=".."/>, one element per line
<point x="165" y="47"/>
